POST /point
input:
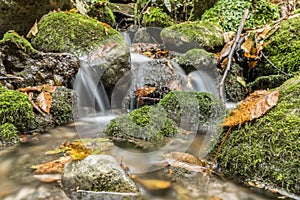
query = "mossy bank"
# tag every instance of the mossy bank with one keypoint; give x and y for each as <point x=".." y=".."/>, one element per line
<point x="267" y="150"/>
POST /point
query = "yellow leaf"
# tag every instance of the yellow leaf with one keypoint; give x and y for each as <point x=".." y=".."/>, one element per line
<point x="152" y="184"/>
<point x="241" y="81"/>
<point x="76" y="150"/>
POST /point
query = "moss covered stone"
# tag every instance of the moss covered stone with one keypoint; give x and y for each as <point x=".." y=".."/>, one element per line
<point x="189" y="35"/>
<point x="190" y="108"/>
<point x="71" y="32"/>
<point x="267" y="149"/>
<point x="147" y="122"/>
<point x="11" y="37"/>
<point x="8" y="135"/>
<point x="284" y="47"/>
<point x="16" y="109"/>
<point x="157" y="17"/>
<point x="228" y="13"/>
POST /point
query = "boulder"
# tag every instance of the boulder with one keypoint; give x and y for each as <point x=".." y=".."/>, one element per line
<point x="266" y="150"/>
<point x="188" y="35"/>
<point x="96" y="173"/>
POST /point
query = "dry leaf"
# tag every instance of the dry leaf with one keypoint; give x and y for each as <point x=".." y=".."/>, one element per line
<point x="55" y="166"/>
<point x="143" y="92"/>
<point x="44" y="100"/>
<point x="254" y="106"/>
<point x="152" y="184"/>
<point x="33" y="31"/>
<point x="49" y="88"/>
<point x="48" y="178"/>
<point x="225" y="51"/>
<point x="28" y="89"/>
<point x="76" y="150"/>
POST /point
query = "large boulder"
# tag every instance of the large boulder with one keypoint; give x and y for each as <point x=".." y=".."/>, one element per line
<point x="189" y="35"/>
<point x="96" y="173"/>
<point x="266" y="150"/>
<point x="19" y="58"/>
<point x="20" y="15"/>
<point x="106" y="51"/>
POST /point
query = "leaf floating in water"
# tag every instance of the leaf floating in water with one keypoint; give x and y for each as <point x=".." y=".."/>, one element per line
<point x="254" y="106"/>
<point x="55" y="166"/>
<point x="76" y="150"/>
<point x="152" y="184"/>
<point x="44" y="100"/>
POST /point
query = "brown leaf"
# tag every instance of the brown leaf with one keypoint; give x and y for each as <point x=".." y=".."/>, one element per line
<point x="44" y="100"/>
<point x="33" y="31"/>
<point x="225" y="51"/>
<point x="49" y="88"/>
<point x="48" y="178"/>
<point x="152" y="184"/>
<point x="143" y="92"/>
<point x="254" y="106"/>
<point x="28" y="89"/>
<point x="55" y="166"/>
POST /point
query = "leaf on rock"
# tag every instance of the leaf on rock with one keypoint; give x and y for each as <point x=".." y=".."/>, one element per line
<point x="143" y="92"/>
<point x="48" y="178"/>
<point x="152" y="184"/>
<point x="44" y="100"/>
<point x="55" y="166"/>
<point x="49" y="88"/>
<point x="254" y="106"/>
<point x="76" y="150"/>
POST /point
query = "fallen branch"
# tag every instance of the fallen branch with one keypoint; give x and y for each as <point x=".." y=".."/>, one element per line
<point x="274" y="66"/>
<point x="238" y="35"/>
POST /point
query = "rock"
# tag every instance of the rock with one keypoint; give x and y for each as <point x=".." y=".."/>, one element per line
<point x="16" y="109"/>
<point x="107" y="51"/>
<point x="261" y="12"/>
<point x="266" y="150"/>
<point x="20" y="59"/>
<point x="8" y="135"/>
<point x="188" y="35"/>
<point x="20" y="15"/>
<point x="96" y="173"/>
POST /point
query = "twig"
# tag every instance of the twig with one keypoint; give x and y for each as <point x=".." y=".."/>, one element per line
<point x="10" y="77"/>
<point x="269" y="61"/>
<point x="222" y="95"/>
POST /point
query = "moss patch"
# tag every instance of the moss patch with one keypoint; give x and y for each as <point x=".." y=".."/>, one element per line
<point x="284" y="47"/>
<point x="268" y="149"/>
<point x="16" y="109"/>
<point x="228" y="13"/>
<point x="147" y="122"/>
<point x="70" y="32"/>
<point x="157" y="17"/>
<point x="8" y="135"/>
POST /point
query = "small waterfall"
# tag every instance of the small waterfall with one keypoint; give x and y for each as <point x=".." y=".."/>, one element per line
<point x="91" y="92"/>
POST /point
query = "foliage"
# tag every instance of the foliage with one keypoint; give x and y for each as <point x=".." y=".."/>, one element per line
<point x="101" y="10"/>
<point x="147" y="122"/>
<point x="16" y="109"/>
<point x="70" y="32"/>
<point x="267" y="149"/>
<point x="157" y="17"/>
<point x="228" y="13"/>
<point x="284" y="47"/>
<point x="8" y="134"/>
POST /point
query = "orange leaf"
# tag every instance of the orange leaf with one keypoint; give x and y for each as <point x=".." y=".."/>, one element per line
<point x="55" y="166"/>
<point x="44" y="100"/>
<point x="254" y="106"/>
<point x="152" y="184"/>
<point x="143" y="92"/>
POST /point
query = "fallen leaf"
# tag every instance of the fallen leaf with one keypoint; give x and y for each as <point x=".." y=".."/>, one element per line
<point x="152" y="184"/>
<point x="76" y="150"/>
<point x="48" y="178"/>
<point x="55" y="166"/>
<point x="33" y="31"/>
<point x="49" y="88"/>
<point x="143" y="92"/>
<point x="254" y="106"/>
<point x="44" y="100"/>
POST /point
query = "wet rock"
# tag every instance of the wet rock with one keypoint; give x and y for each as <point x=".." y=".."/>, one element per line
<point x="188" y="35"/>
<point x="96" y="173"/>
<point x="8" y="135"/>
<point x="106" y="51"/>
<point x="20" y="15"/>
<point x="266" y="150"/>
<point x="20" y="59"/>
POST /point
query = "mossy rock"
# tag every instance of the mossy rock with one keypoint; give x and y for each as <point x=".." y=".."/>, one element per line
<point x="71" y="32"/>
<point x="8" y="135"/>
<point x="189" y="35"/>
<point x="156" y="17"/>
<point x="267" y="149"/>
<point x="101" y="10"/>
<point x="16" y="109"/>
<point x="147" y="123"/>
<point x="284" y="48"/>
<point x="190" y="108"/>
<point x="229" y="13"/>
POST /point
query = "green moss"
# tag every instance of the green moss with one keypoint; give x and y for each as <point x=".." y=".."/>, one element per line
<point x="157" y="17"/>
<point x="267" y="149"/>
<point x="147" y="122"/>
<point x="228" y="13"/>
<point x="16" y="109"/>
<point x="8" y="134"/>
<point x="193" y="107"/>
<point x="19" y="41"/>
<point x="71" y="32"/>
<point x="101" y="10"/>
<point x="284" y="48"/>
<point x="206" y="34"/>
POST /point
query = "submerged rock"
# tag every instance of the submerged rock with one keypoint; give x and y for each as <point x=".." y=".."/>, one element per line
<point x="96" y="173"/>
<point x="20" y="59"/>
<point x="266" y="150"/>
<point x="189" y="35"/>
